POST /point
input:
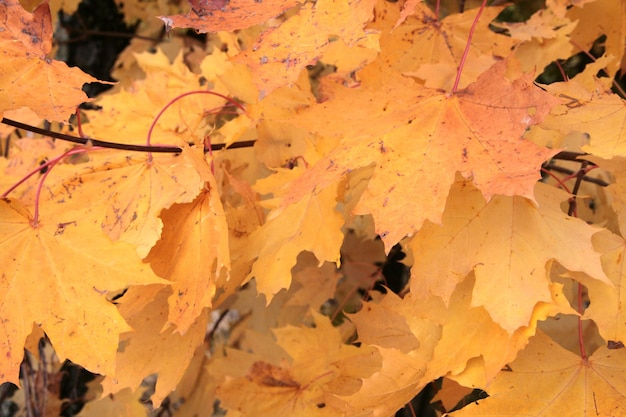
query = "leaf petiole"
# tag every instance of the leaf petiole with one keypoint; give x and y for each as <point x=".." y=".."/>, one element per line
<point x="49" y="165"/>
<point x="467" y="47"/>
<point x="175" y="99"/>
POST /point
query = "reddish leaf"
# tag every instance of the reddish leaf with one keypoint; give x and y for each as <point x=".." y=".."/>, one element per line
<point x="418" y="138"/>
<point x="227" y="15"/>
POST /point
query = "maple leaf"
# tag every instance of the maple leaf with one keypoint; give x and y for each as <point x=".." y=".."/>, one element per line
<point x="146" y="350"/>
<point x="509" y="260"/>
<point x="322" y="370"/>
<point x="282" y="53"/>
<point x="347" y="60"/>
<point x="599" y="114"/>
<point x="559" y="383"/>
<point x="598" y="18"/>
<point x="311" y="224"/>
<point x="541" y="24"/>
<point x="30" y="79"/>
<point x="545" y="37"/>
<point x="420" y="45"/>
<point x="196" y="390"/>
<point x="609" y="315"/>
<point x="418" y="340"/>
<point x="418" y="138"/>
<point x="132" y="191"/>
<point x="312" y="284"/>
<point x="192" y="253"/>
<point x="123" y="403"/>
<point x="227" y="15"/>
<point x="128" y="114"/>
<point x="75" y="261"/>
<point x="279" y="142"/>
<point x="406" y="345"/>
<point x="560" y="7"/>
<point x="616" y="190"/>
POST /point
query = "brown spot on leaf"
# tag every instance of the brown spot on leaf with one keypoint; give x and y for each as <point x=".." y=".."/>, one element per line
<point x="264" y="373"/>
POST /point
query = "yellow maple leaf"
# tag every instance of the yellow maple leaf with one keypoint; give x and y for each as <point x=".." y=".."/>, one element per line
<point x="507" y="243"/>
<point x="192" y="253"/>
<point x="430" y="49"/>
<point x="29" y="78"/>
<point x="127" y="115"/>
<point x="312" y="284"/>
<point x="607" y="301"/>
<point x="129" y="192"/>
<point x="617" y="190"/>
<point x="282" y="53"/>
<point x="322" y="369"/>
<point x="196" y="390"/>
<point x="598" y="113"/>
<point x="279" y="142"/>
<point x="418" y="341"/>
<point x="145" y="350"/>
<point x="597" y="18"/>
<point x="311" y="224"/>
<point x="56" y="275"/>
<point x="406" y="346"/>
<point x="125" y="403"/>
<point x="541" y="24"/>
<point x="546" y="380"/>
<point x="545" y="37"/>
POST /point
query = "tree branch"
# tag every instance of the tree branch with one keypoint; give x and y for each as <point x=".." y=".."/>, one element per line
<point x="114" y="145"/>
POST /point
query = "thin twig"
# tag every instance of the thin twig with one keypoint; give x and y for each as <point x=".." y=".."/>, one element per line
<point x="89" y="32"/>
<point x="579" y="180"/>
<point x="586" y="178"/>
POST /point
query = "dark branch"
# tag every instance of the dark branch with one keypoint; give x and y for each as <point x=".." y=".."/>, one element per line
<point x="586" y="178"/>
<point x="571" y="156"/>
<point x="114" y="145"/>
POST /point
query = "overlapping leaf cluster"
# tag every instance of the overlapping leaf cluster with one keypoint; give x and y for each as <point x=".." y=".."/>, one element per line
<point x="122" y="259"/>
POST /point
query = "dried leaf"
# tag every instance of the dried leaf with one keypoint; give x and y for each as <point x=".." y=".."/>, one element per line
<point x="227" y="15"/>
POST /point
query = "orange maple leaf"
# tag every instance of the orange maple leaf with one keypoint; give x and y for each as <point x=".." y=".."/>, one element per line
<point x="30" y="79"/>
<point x="418" y="138"/>
<point x="56" y="275"/>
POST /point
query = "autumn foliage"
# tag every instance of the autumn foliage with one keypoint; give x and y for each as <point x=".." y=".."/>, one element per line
<point x="248" y="278"/>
